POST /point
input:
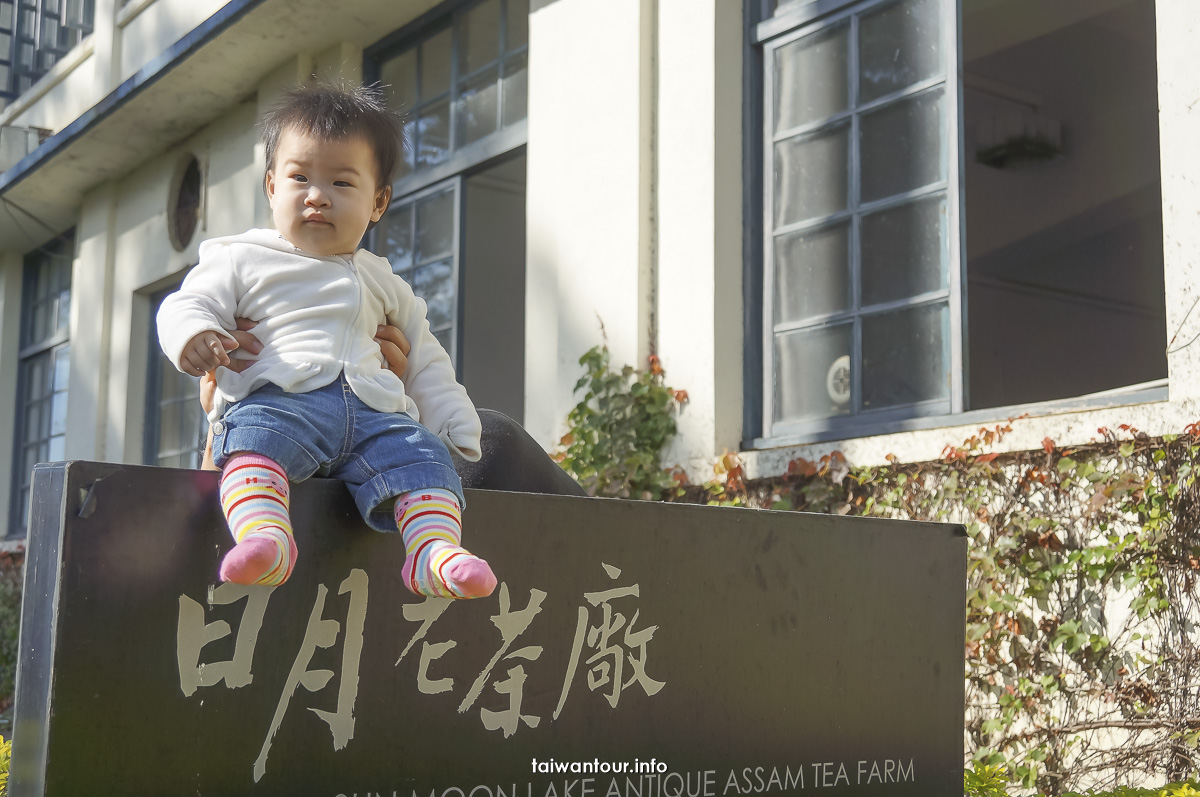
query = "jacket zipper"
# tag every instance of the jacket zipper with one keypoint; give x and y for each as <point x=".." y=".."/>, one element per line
<point x="349" y="263"/>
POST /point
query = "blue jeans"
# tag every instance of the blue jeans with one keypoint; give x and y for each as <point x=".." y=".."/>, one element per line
<point x="330" y="432"/>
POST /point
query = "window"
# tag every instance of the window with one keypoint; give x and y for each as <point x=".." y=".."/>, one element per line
<point x="934" y="246"/>
<point x="460" y="80"/>
<point x="462" y="87"/>
<point x="44" y="369"/>
<point x="176" y="427"/>
<point x="34" y="35"/>
<point x="419" y="237"/>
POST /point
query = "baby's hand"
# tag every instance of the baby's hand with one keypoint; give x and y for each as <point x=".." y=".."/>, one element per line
<point x="205" y="352"/>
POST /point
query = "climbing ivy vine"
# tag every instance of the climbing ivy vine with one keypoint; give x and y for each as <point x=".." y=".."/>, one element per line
<point x="1083" y="594"/>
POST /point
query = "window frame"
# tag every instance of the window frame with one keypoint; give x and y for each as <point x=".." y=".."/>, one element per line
<point x="793" y="22"/>
<point x="157" y="364"/>
<point x="79" y="26"/>
<point x="462" y="161"/>
<point x="36" y="264"/>
<point x="454" y="185"/>
<point x="462" y="158"/>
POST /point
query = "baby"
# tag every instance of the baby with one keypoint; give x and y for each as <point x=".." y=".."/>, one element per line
<point x="319" y="398"/>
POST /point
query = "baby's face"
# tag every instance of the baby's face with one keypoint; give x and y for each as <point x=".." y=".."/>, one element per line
<point x="323" y="194"/>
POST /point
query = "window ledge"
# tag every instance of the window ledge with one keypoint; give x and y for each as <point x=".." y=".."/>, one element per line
<point x="13" y="545"/>
<point x="1145" y="393"/>
<point x="130" y="10"/>
<point x="65" y="66"/>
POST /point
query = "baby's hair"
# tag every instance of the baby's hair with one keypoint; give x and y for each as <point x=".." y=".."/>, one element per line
<point x="329" y="113"/>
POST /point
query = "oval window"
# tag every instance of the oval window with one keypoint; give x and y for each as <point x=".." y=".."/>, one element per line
<point x="184" y="214"/>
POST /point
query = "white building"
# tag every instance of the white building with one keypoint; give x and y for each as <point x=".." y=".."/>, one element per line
<point x="871" y="225"/>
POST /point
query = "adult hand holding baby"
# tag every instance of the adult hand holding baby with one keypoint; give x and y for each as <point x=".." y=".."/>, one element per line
<point x="207" y="351"/>
<point x="243" y="339"/>
<point x="391" y="340"/>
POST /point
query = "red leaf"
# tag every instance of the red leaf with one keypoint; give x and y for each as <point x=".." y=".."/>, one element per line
<point x="1048" y="445"/>
<point x="801" y="467"/>
<point x="986" y="457"/>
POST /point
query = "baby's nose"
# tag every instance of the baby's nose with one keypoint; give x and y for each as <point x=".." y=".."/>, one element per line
<point x="315" y="196"/>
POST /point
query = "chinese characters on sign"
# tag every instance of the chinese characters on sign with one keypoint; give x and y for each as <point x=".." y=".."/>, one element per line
<point x="615" y="649"/>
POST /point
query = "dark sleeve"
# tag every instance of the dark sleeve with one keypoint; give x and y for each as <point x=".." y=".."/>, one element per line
<point x="512" y="461"/>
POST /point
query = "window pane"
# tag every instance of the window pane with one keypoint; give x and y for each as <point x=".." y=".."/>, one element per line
<point x="516" y="89"/>
<point x="39" y="378"/>
<point x="39" y="324"/>
<point x="902" y="146"/>
<point x="33" y="422"/>
<point x="811" y="175"/>
<point x="169" y="426"/>
<point x="57" y="452"/>
<point x="435" y="226"/>
<point x="905" y="357"/>
<point x="434" y="134"/>
<point x="812" y="273"/>
<point x="33" y="455"/>
<point x="477" y="111"/>
<point x="434" y="283"/>
<point x="394" y="238"/>
<point x="408" y="146"/>
<point x="399" y="78"/>
<point x="905" y="251"/>
<point x="811" y="78"/>
<point x="479" y="43"/>
<point x="443" y="337"/>
<point x="518" y="24"/>
<point x="899" y="45"/>
<point x="62" y="368"/>
<point x="435" y="65"/>
<point x="63" y="306"/>
<point x="58" y="414"/>
<point x="812" y="368"/>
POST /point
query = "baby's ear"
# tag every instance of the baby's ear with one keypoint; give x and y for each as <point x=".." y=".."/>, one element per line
<point x="383" y="198"/>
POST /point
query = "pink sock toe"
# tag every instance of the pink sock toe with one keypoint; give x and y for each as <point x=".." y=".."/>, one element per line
<point x="471" y="576"/>
<point x="256" y="560"/>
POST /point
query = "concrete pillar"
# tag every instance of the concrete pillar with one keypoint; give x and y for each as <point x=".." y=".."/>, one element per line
<point x="91" y="322"/>
<point x="590" y="156"/>
<point x="700" y="223"/>
<point x="1178" y="24"/>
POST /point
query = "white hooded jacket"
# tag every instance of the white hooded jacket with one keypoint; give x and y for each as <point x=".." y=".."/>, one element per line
<point x="317" y="318"/>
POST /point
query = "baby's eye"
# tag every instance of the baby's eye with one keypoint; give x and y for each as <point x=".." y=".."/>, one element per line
<point x="300" y="178"/>
<point x="342" y="183"/>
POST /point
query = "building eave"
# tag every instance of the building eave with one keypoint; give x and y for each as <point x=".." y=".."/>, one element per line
<point x="218" y="64"/>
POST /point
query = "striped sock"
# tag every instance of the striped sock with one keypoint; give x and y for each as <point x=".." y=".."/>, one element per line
<point x="254" y="497"/>
<point x="430" y="522"/>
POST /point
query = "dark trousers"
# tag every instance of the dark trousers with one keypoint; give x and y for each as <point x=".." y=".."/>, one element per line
<point x="513" y="462"/>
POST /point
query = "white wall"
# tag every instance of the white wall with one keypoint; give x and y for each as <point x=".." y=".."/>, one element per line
<point x="589" y="149"/>
<point x="155" y="27"/>
<point x="1179" y="132"/>
<point x="699" y="212"/>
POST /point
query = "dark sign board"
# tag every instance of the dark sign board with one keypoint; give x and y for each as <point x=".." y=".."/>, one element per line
<point x="632" y="649"/>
